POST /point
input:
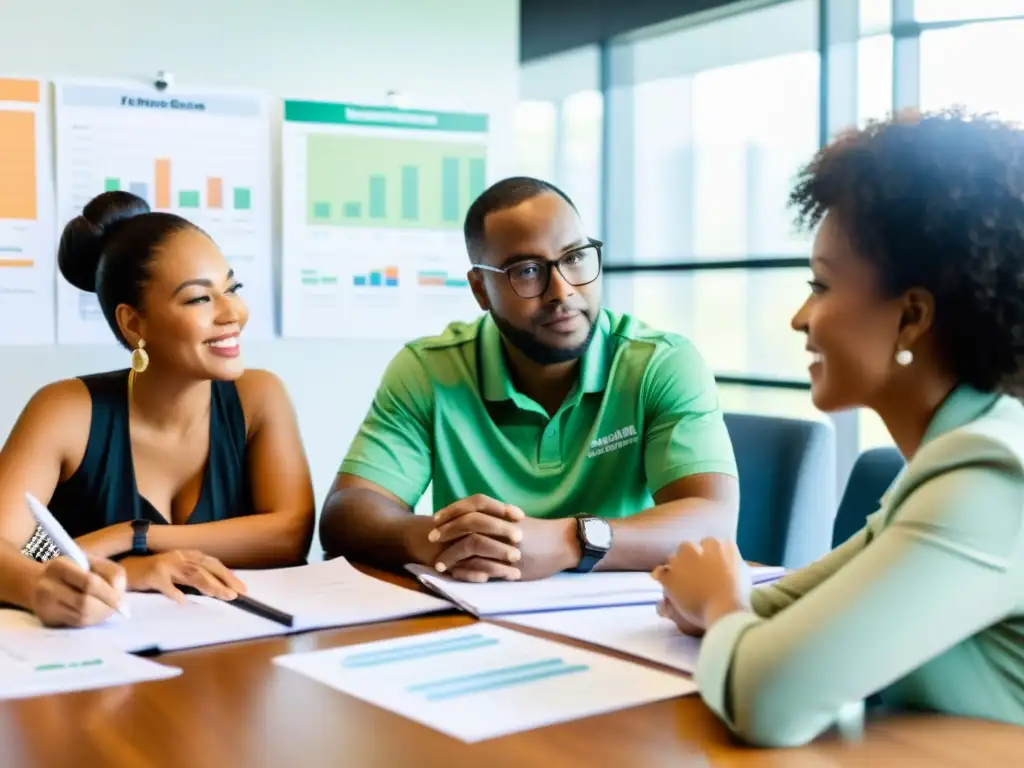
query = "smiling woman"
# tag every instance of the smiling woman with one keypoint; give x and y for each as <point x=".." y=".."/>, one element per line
<point x="184" y="464"/>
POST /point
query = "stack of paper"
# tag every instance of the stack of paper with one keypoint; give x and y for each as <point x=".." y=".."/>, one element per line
<point x="560" y="592"/>
<point x="335" y="594"/>
<point x="40" y="662"/>
<point x="328" y="594"/>
<point x="482" y="681"/>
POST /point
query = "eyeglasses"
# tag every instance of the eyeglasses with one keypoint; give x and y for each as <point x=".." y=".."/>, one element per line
<point x="532" y="277"/>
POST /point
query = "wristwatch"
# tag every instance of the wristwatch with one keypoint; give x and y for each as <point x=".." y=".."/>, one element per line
<point x="140" y="529"/>
<point x="595" y="537"/>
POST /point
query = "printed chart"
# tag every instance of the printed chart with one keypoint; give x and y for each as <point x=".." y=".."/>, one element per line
<point x="374" y="202"/>
<point x="27" y="257"/>
<point x="204" y="156"/>
<point x="483" y="681"/>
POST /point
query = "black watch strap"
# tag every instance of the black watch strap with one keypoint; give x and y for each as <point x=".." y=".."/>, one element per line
<point x="140" y="536"/>
<point x="590" y="556"/>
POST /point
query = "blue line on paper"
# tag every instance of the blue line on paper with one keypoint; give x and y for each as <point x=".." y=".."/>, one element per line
<point x="418" y="651"/>
<point x="506" y="682"/>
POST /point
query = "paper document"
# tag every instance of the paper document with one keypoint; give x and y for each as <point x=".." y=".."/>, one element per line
<point x="329" y="594"/>
<point x="335" y="594"/>
<point x="563" y="591"/>
<point x="634" y="629"/>
<point x="158" y="623"/>
<point x="559" y="592"/>
<point x="482" y="681"/>
<point x="41" y="662"/>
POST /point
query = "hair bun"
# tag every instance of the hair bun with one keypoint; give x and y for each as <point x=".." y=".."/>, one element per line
<point x="83" y="239"/>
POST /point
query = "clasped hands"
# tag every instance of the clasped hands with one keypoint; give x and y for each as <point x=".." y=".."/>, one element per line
<point x="478" y="539"/>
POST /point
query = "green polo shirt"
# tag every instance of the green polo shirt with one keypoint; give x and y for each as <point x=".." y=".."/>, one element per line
<point x="643" y="414"/>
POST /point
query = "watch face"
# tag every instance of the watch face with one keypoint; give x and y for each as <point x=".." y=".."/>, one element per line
<point x="598" y="533"/>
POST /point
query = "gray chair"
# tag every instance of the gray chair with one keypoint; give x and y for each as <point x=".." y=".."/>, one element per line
<point x="787" y="473"/>
<point x="873" y="473"/>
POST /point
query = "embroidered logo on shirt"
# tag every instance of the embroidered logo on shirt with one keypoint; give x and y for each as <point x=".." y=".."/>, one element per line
<point x="620" y="438"/>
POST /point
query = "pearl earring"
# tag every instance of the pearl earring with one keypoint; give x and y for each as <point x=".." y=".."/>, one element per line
<point x="904" y="357"/>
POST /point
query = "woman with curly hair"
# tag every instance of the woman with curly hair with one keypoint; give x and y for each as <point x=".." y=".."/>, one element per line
<point x="917" y="312"/>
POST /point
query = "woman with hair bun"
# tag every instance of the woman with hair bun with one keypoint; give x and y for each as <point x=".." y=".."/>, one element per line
<point x="916" y="311"/>
<point x="182" y="466"/>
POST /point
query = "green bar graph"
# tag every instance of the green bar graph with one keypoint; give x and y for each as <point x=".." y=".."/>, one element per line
<point x="378" y="197"/>
<point x="243" y="199"/>
<point x="450" y="188"/>
<point x="393" y="183"/>
<point x="477" y="177"/>
<point x="188" y="198"/>
<point x="111" y="185"/>
<point x="410" y="193"/>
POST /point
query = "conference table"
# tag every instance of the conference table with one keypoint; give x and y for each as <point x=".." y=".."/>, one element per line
<point x="233" y="707"/>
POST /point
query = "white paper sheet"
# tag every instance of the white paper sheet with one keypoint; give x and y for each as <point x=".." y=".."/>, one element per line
<point x="634" y="629"/>
<point x="482" y="681"/>
<point x="42" y="662"/>
<point x="335" y="594"/>
<point x="560" y="592"/>
<point x="330" y="594"/>
<point x="159" y="623"/>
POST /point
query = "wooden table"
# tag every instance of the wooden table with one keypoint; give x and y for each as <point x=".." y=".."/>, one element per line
<point x="233" y="707"/>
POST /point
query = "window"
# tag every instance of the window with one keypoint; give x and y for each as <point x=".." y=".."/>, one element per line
<point x="536" y="138"/>
<point x="874" y="77"/>
<point x="789" y="403"/>
<point x="974" y="65"/>
<point x="875" y="16"/>
<point x="739" y="320"/>
<point x="716" y="147"/>
<point x="963" y="10"/>
<point x="559" y="128"/>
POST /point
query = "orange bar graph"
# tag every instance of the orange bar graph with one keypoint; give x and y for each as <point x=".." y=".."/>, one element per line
<point x="162" y="199"/>
<point x="19" y="90"/>
<point x="391" y="273"/>
<point x="214" y="193"/>
<point x="17" y="165"/>
<point x="16" y="263"/>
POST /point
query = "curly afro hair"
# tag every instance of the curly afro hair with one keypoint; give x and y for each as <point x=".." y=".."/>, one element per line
<point x="936" y="201"/>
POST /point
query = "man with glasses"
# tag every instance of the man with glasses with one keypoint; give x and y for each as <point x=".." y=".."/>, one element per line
<point x="557" y="435"/>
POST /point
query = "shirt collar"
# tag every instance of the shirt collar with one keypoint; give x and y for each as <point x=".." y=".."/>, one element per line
<point x="497" y="381"/>
<point x="961" y="406"/>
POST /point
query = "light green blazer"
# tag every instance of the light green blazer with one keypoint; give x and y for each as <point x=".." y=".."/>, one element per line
<point x="924" y="605"/>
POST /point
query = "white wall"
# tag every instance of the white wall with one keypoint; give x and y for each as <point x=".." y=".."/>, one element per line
<point x="445" y="54"/>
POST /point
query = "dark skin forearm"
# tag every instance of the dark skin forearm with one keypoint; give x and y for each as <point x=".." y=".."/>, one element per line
<point x="647" y="539"/>
<point x="267" y="540"/>
<point x="367" y="527"/>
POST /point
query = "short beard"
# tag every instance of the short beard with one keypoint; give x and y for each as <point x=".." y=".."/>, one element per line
<point x="538" y="352"/>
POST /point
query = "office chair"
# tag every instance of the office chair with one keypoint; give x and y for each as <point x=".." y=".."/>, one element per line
<point x="787" y="480"/>
<point x="873" y="473"/>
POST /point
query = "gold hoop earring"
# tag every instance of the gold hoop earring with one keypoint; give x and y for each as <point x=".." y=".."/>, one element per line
<point x="140" y="362"/>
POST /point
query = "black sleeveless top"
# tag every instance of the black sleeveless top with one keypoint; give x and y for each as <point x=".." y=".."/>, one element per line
<point x="103" y="492"/>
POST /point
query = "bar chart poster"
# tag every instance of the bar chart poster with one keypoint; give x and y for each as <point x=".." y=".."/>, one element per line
<point x="203" y="155"/>
<point x="27" y="254"/>
<point x="374" y="200"/>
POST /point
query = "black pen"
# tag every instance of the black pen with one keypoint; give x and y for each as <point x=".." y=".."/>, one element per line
<point x="263" y="610"/>
<point x="246" y="603"/>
